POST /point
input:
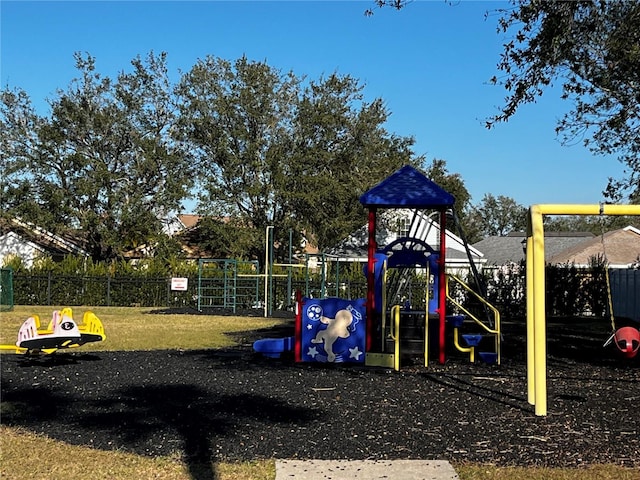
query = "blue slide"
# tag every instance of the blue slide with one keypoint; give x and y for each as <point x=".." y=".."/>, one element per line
<point x="273" y="347"/>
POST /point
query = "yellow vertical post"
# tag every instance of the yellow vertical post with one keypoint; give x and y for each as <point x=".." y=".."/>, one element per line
<point x="396" y="343"/>
<point x="530" y="330"/>
<point x="539" y="320"/>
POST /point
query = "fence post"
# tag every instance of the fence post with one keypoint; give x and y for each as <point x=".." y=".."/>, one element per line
<point x="49" y="288"/>
<point x="108" y="290"/>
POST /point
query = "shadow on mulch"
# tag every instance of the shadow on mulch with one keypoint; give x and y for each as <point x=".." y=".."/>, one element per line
<point x="232" y="405"/>
<point x="579" y="339"/>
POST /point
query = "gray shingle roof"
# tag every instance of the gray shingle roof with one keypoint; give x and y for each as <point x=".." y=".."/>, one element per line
<point x="503" y="250"/>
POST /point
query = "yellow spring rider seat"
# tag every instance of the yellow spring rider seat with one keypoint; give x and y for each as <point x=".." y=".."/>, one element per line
<point x="61" y="332"/>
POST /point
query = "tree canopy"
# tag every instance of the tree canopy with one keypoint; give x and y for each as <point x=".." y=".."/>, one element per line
<point x="258" y="147"/>
<point x="498" y="216"/>
<point x="104" y="162"/>
<point x="593" y="49"/>
<point x="273" y="150"/>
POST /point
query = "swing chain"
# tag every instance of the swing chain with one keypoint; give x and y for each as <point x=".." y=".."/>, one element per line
<point x="606" y="274"/>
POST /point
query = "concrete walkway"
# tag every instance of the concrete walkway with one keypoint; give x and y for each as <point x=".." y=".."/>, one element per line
<point x="365" y="470"/>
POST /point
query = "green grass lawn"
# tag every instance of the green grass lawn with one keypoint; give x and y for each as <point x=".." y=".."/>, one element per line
<point x="25" y="455"/>
<point x="139" y="329"/>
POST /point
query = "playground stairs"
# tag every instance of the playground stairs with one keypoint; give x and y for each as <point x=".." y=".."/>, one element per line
<point x="477" y="335"/>
<point x="481" y="345"/>
<point x="412" y="334"/>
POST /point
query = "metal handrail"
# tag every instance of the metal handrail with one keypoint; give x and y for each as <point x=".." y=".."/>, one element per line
<point x="456" y="342"/>
<point x="495" y="331"/>
<point x="395" y="335"/>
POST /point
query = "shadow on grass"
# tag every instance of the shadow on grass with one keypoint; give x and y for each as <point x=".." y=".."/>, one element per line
<point x="138" y="416"/>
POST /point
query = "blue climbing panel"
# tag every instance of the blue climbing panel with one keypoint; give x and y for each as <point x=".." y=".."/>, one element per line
<point x="333" y="330"/>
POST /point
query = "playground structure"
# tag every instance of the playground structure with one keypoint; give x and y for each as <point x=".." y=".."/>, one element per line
<point x="370" y="330"/>
<point x="235" y="285"/>
<point x="536" y="314"/>
<point x="227" y="283"/>
<point x="386" y="326"/>
<point x="62" y="332"/>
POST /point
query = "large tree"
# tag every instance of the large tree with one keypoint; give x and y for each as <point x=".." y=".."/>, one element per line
<point x="339" y="150"/>
<point x="274" y="150"/>
<point x="103" y="162"/>
<point x="236" y="116"/>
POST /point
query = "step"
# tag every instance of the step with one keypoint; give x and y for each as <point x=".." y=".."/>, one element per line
<point x="408" y="318"/>
<point x="407" y="346"/>
<point x="455" y="321"/>
<point x="472" y="340"/>
<point x="408" y="330"/>
<point x="488" y="357"/>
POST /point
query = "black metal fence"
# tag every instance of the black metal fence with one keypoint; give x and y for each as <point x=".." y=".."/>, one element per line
<point x="54" y="289"/>
<point x="570" y="291"/>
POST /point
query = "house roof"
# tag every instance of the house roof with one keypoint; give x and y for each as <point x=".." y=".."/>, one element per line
<point x="621" y="248"/>
<point x="11" y="237"/>
<point x="44" y="239"/>
<point x="189" y="219"/>
<point x="503" y="250"/>
<point x="407" y="188"/>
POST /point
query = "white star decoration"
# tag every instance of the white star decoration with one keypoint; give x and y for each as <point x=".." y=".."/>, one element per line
<point x="309" y="326"/>
<point x="313" y="351"/>
<point x="355" y="353"/>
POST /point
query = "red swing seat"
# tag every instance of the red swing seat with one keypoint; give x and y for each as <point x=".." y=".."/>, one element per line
<point x="627" y="340"/>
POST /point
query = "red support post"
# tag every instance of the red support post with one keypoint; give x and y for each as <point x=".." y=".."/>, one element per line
<point x="298" y="328"/>
<point x="370" y="307"/>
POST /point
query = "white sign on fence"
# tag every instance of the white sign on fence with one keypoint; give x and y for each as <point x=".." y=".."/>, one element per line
<point x="179" y="284"/>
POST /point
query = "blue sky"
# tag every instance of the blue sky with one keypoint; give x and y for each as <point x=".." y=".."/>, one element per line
<point x="430" y="62"/>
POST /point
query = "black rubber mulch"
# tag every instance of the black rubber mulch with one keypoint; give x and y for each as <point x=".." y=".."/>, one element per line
<point x="232" y="405"/>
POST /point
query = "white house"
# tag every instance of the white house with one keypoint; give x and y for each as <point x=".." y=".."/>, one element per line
<point x="13" y="245"/>
<point x="19" y="238"/>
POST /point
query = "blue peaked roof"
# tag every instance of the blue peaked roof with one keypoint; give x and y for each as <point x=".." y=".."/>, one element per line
<point x="407" y="188"/>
